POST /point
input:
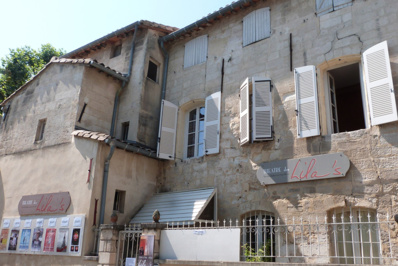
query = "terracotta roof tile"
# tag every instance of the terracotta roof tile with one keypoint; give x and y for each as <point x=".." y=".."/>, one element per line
<point x="91" y="135"/>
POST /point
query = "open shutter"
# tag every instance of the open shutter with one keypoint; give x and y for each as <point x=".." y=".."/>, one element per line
<point x="189" y="56"/>
<point x="244" y="112"/>
<point x="263" y="23"/>
<point x="212" y="123"/>
<point x="249" y="28"/>
<point x="323" y="7"/>
<point x="306" y="102"/>
<point x="262" y="109"/>
<point x="200" y="49"/>
<point x="167" y="130"/>
<point x="379" y="86"/>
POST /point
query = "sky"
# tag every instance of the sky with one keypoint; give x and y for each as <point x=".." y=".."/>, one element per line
<point x="70" y="24"/>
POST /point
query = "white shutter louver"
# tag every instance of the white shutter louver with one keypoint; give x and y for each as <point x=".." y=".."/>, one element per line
<point x="323" y="7"/>
<point x="200" y="49"/>
<point x="167" y="131"/>
<point x="244" y="112"/>
<point x="262" y="109"/>
<point x="212" y="123"/>
<point x="263" y="23"/>
<point x="379" y="85"/>
<point x="249" y="29"/>
<point x="306" y="102"/>
<point x="189" y="56"/>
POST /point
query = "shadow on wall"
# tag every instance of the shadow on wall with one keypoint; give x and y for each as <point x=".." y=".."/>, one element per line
<point x="2" y="198"/>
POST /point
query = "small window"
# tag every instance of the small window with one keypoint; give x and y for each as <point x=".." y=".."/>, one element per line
<point x="152" y="71"/>
<point x="40" y="129"/>
<point x="125" y="130"/>
<point x="327" y="6"/>
<point x="118" y="204"/>
<point x="195" y="51"/>
<point x="256" y="26"/>
<point x="116" y="51"/>
<point x="195" y="132"/>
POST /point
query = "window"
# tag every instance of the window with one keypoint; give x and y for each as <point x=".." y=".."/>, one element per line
<point x="352" y="102"/>
<point x="195" y="51"/>
<point x="195" y="132"/>
<point x="40" y="129"/>
<point x="125" y="130"/>
<point x="152" y="71"/>
<point x="355" y="241"/>
<point x="256" y="26"/>
<point x="118" y="203"/>
<point x="326" y="6"/>
<point x="116" y="50"/>
<point x="258" y="238"/>
<point x="255" y="110"/>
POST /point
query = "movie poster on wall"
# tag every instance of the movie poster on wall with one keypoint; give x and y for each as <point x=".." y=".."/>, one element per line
<point x="145" y="252"/>
<point x="49" y="241"/>
<point x="24" y="240"/>
<point x="62" y="240"/>
<point x="3" y="239"/>
<point x="74" y="247"/>
<point x="37" y="238"/>
<point x="13" y="239"/>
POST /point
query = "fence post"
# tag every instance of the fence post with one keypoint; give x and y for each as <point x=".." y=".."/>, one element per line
<point x="109" y="235"/>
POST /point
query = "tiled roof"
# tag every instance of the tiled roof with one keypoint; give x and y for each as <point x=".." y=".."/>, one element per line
<point x="56" y="60"/>
<point x="91" y="135"/>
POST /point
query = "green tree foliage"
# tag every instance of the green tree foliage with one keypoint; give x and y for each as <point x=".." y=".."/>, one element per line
<point x="21" y="65"/>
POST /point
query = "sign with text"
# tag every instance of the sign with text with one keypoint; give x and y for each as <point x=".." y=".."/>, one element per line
<point x="51" y="203"/>
<point x="304" y="169"/>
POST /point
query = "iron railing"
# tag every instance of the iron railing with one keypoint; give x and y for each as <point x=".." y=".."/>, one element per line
<point x="128" y="244"/>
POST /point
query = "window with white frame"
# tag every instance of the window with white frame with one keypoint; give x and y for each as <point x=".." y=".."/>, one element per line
<point x="256" y="26"/>
<point x="195" y="132"/>
<point x="327" y="6"/>
<point x="355" y="236"/>
<point x="352" y="101"/>
<point x="258" y="238"/>
<point x="195" y="51"/>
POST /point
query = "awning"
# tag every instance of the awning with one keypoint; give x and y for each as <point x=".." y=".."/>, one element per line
<point x="192" y="205"/>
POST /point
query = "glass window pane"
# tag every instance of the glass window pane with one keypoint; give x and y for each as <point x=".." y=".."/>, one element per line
<point x="192" y="127"/>
<point x="201" y="136"/>
<point x="192" y="115"/>
<point x="202" y="113"/>
<point x="200" y="150"/>
<point x="191" y="151"/>
<point x="191" y="139"/>
<point x="201" y="125"/>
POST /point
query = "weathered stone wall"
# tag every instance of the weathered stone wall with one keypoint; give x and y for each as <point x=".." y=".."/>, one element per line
<point x="345" y="33"/>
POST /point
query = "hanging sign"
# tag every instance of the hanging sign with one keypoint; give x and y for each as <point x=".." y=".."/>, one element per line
<point x="51" y="203"/>
<point x="304" y="169"/>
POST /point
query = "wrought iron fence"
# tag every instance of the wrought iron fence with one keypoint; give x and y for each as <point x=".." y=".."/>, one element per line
<point x="128" y="244"/>
<point x="352" y="236"/>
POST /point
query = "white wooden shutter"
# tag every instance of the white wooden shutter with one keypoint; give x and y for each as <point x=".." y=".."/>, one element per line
<point x="379" y="85"/>
<point x="323" y="7"/>
<point x="337" y="4"/>
<point x="189" y="56"/>
<point x="306" y="102"/>
<point x="262" y="109"/>
<point x="212" y="123"/>
<point x="200" y="49"/>
<point x="263" y="23"/>
<point x="167" y="130"/>
<point x="249" y="28"/>
<point x="244" y="112"/>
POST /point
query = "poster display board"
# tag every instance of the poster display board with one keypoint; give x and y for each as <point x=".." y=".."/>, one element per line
<point x="46" y="235"/>
<point x="145" y="251"/>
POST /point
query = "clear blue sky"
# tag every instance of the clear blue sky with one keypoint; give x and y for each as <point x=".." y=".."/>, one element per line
<point x="70" y="24"/>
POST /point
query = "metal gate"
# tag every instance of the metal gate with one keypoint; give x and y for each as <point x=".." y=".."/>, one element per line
<point x="128" y="244"/>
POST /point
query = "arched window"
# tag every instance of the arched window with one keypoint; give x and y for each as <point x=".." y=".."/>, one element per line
<point x="195" y="124"/>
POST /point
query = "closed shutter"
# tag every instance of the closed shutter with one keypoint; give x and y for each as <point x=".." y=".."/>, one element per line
<point x="212" y="123"/>
<point x="306" y="102"/>
<point x="249" y="28"/>
<point x="200" y="49"/>
<point x="263" y="23"/>
<point x="323" y="7"/>
<point x="379" y="85"/>
<point x="167" y="131"/>
<point x="244" y="112"/>
<point x="262" y="109"/>
<point x="337" y="4"/>
<point x="189" y="56"/>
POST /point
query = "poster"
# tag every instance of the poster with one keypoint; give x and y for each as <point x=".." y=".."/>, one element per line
<point x="74" y="247"/>
<point x="49" y="241"/>
<point x="62" y="240"/>
<point x="25" y="238"/>
<point x="13" y="239"/>
<point x="3" y="239"/>
<point x="37" y="238"/>
<point x="130" y="261"/>
<point x="145" y="252"/>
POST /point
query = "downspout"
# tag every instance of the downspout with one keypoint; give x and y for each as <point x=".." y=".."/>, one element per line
<point x="105" y="181"/>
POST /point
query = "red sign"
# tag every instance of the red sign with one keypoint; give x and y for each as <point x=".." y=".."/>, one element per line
<point x="51" y="203"/>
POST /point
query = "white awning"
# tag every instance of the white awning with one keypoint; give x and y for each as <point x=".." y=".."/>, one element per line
<point x="192" y="205"/>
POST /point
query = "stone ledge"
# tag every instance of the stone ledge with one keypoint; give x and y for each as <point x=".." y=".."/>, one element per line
<point x="153" y="225"/>
<point x="91" y="258"/>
